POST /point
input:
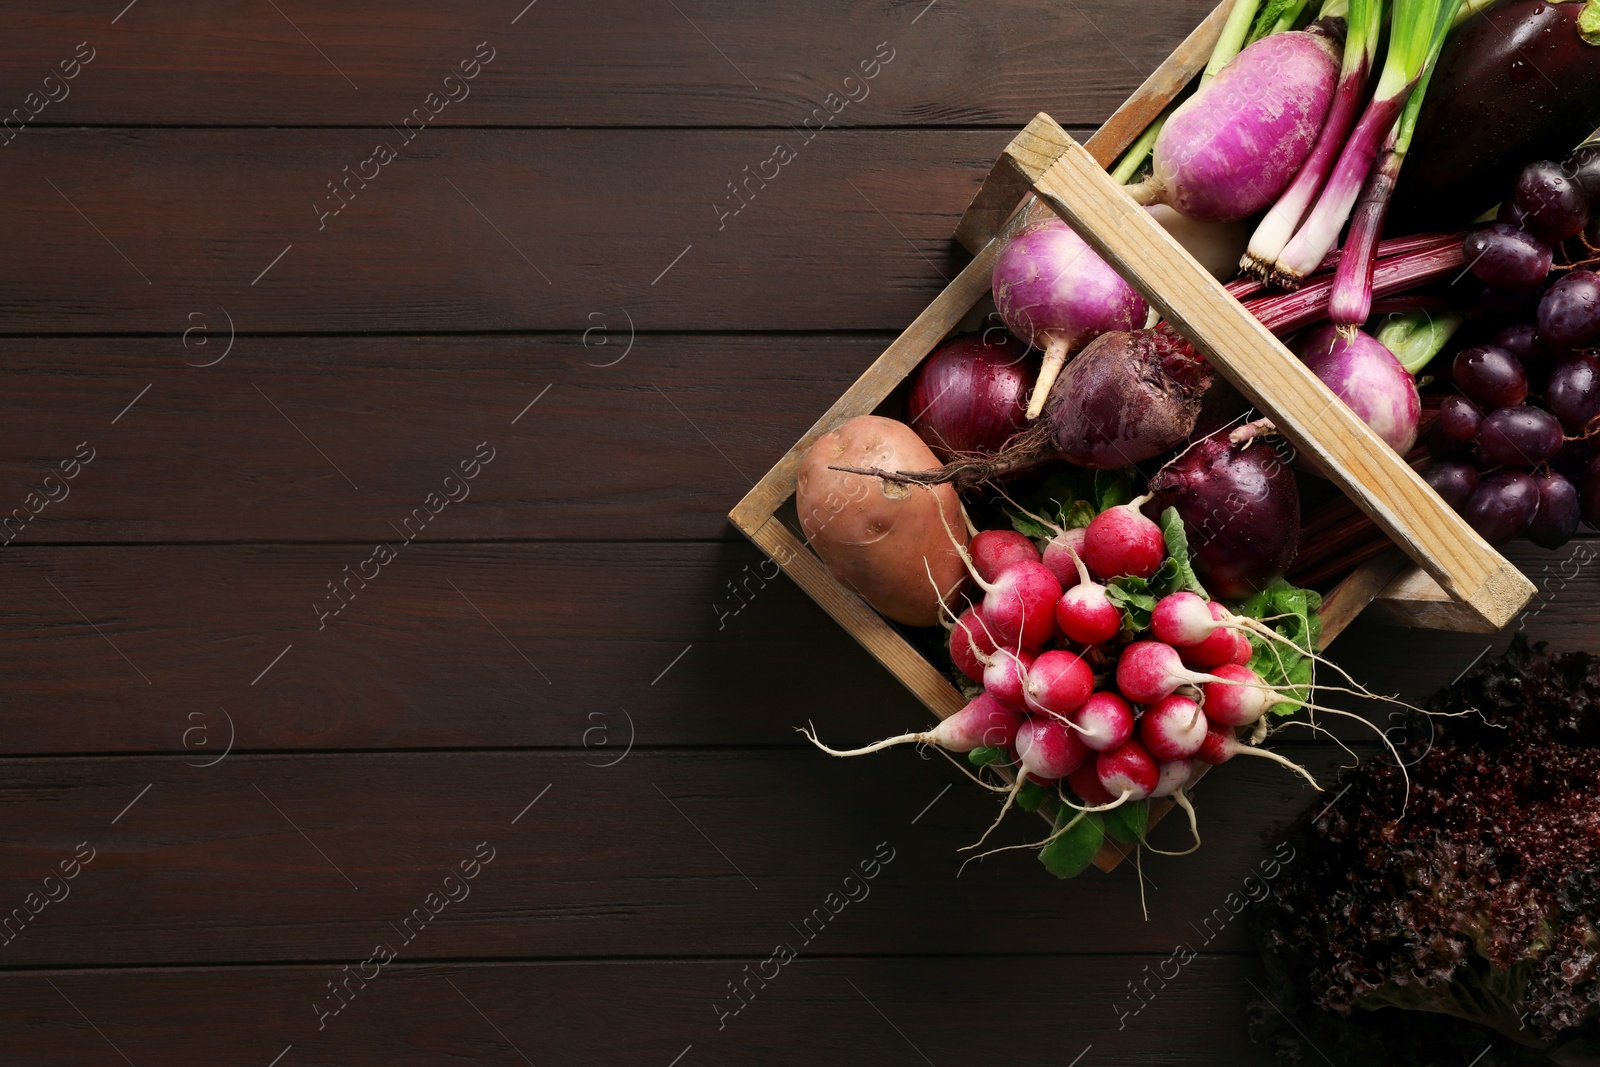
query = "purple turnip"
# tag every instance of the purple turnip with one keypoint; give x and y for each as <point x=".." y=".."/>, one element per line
<point x="1369" y="379"/>
<point x="1233" y="147"/>
<point x="1055" y="293"/>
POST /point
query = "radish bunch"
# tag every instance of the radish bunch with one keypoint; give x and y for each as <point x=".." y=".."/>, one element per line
<point x="1102" y="674"/>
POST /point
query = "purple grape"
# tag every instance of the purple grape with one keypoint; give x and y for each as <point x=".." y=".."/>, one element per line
<point x="1554" y="206"/>
<point x="1589" y="493"/>
<point x="1573" y="394"/>
<point x="1506" y="257"/>
<point x="1454" y="482"/>
<point x="1522" y="340"/>
<point x="1569" y="314"/>
<point x="1575" y="457"/>
<point x="1456" y="427"/>
<point x="1490" y="376"/>
<point x="1557" y="518"/>
<point x="1522" y="436"/>
<point x="1482" y="303"/>
<point x="1503" y="506"/>
<point x="1584" y="167"/>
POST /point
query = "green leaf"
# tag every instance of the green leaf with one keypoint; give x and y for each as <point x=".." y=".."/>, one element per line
<point x="1132" y="594"/>
<point x="1177" y="540"/>
<point x="982" y="757"/>
<point x="1129" y="822"/>
<point x="1070" y="854"/>
<point x="1031" y="795"/>
<point x="1112" y="488"/>
<point x="1028" y="527"/>
<point x="1589" y="23"/>
<point x="1079" y="515"/>
<point x="1294" y="616"/>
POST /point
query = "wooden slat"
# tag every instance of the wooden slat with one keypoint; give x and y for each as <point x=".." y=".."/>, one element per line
<point x="651" y="447"/>
<point x="816" y="1009"/>
<point x="675" y="853"/>
<point x="1070" y="180"/>
<point x="194" y="63"/>
<point x="473" y="230"/>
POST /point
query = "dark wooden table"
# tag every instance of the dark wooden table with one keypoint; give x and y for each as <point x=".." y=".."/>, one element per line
<point x="383" y="683"/>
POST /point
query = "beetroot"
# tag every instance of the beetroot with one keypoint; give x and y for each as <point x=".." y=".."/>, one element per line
<point x="1238" y="500"/>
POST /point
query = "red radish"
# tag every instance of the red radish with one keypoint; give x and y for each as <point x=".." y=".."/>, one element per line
<point x="1052" y="291"/>
<point x="1221" y="746"/>
<point x="1245" y="652"/>
<point x="1214" y="651"/>
<point x="1182" y="618"/>
<point x="971" y="644"/>
<point x="1127" y="772"/>
<point x="1005" y="675"/>
<point x="1173" y="728"/>
<point x="1019" y="605"/>
<point x="1104" y="721"/>
<point x="994" y="551"/>
<point x="1150" y="670"/>
<point x="1085" y="612"/>
<point x="1062" y="554"/>
<point x="1085" y="781"/>
<point x="1174" y="773"/>
<point x="1047" y="750"/>
<point x="1239" y="696"/>
<point x="1058" y="683"/>
<point x="1122" y="541"/>
<point x="984" y="722"/>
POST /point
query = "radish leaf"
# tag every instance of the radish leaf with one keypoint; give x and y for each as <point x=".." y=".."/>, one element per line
<point x="1070" y="854"/>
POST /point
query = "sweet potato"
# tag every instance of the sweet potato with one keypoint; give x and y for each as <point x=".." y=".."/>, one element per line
<point x="876" y="537"/>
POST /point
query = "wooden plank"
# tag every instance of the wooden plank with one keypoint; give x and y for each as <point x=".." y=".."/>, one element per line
<point x="816" y="1009"/>
<point x="523" y="230"/>
<point x="652" y="446"/>
<point x="665" y="853"/>
<point x="663" y="643"/>
<point x="1352" y="596"/>
<point x="1305" y="411"/>
<point x="709" y="62"/>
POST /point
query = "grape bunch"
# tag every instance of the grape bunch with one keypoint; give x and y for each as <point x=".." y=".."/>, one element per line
<point x="1517" y="450"/>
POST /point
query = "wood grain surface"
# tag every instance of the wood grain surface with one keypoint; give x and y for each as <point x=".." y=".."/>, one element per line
<point x="571" y="659"/>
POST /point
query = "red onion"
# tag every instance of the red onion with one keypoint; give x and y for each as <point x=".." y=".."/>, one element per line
<point x="1239" y="505"/>
<point x="967" y="397"/>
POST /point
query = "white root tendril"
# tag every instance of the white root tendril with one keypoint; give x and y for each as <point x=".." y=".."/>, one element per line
<point x="964" y="769"/>
<point x="1011" y="795"/>
<point x="922" y="737"/>
<point x="1117" y="803"/>
<point x="1026" y="844"/>
<point x="1265" y="753"/>
<point x="1406" y="796"/>
<point x="1138" y="867"/>
<point x="1180" y="799"/>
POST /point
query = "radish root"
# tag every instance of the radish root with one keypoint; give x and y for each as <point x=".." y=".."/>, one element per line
<point x="921" y="737"/>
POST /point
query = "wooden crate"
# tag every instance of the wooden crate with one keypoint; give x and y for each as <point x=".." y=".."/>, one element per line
<point x="1453" y="578"/>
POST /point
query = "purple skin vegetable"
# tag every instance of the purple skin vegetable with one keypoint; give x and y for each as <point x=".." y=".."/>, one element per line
<point x="1232" y="148"/>
<point x="1055" y="293"/>
<point x="1369" y="379"/>
<point x="1240" y="507"/>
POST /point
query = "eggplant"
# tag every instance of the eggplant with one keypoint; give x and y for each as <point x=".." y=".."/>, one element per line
<point x="1513" y="85"/>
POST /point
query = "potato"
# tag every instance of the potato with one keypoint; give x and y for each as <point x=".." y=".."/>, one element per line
<point x="882" y="538"/>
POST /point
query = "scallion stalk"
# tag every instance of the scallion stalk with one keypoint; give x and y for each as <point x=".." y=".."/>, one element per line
<point x="1127" y="167"/>
<point x="1412" y="28"/>
<point x="1363" y="29"/>
<point x="1351" y="300"/>
<point x="1235" y="32"/>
